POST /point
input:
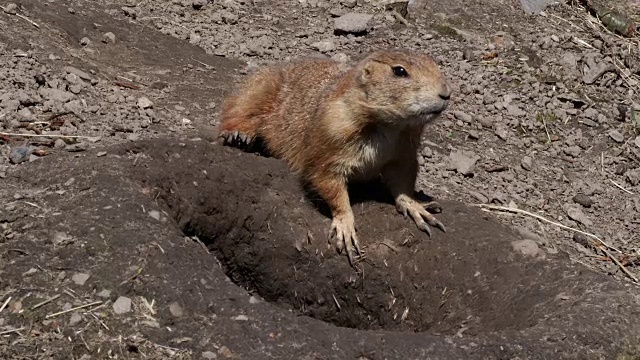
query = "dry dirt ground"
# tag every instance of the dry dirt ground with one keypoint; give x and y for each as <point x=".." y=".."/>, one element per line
<point x="126" y="232"/>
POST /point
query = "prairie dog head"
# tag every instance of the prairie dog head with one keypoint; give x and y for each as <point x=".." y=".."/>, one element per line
<point x="403" y="86"/>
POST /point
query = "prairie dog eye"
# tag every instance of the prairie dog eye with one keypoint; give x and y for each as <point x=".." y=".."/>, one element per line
<point x="400" y="71"/>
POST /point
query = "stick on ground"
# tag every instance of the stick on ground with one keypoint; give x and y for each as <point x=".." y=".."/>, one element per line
<point x="604" y="249"/>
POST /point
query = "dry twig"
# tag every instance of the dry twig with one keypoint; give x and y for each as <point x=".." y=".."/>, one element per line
<point x="45" y="302"/>
<point x="47" y="135"/>
<point x="73" y="309"/>
<point x="604" y="249"/>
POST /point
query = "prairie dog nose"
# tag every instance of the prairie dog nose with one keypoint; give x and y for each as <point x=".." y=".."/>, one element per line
<point x="445" y="91"/>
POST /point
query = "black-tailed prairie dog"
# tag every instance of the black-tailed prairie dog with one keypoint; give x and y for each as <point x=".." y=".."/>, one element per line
<point x="334" y="124"/>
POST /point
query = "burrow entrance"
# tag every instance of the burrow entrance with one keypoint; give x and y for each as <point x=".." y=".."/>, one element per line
<point x="270" y="239"/>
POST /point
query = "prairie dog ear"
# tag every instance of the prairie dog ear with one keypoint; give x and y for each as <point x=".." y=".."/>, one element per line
<point x="366" y="71"/>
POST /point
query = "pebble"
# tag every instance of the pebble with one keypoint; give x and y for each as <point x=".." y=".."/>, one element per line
<point x="463" y="116"/>
<point x="528" y="247"/>
<point x="80" y="278"/>
<point x="104" y="293"/>
<point x="108" y="38"/>
<point x="352" y="23"/>
<point x="144" y="103"/>
<point x="56" y="95"/>
<point x="30" y="272"/>
<point x="101" y="153"/>
<point x="576" y="214"/>
<point x="637" y="141"/>
<point x="513" y="110"/>
<point x="75" y="319"/>
<point x="209" y="355"/>
<point x="77" y="72"/>
<point x="485" y="121"/>
<point x="59" y="144"/>
<point x="527" y="163"/>
<point x="155" y="214"/>
<point x="616" y="136"/>
<point x="122" y="305"/>
<point x="19" y="154"/>
<point x="77" y="147"/>
<point x="324" y="46"/>
<point x="176" y="310"/>
<point x="464" y="163"/>
<point x="11" y="8"/>
<point x="241" y="318"/>
<point x="583" y="200"/>
<point x="151" y="324"/>
<point x="85" y="41"/>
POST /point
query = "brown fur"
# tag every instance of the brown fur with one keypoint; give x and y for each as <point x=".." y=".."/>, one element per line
<point x="334" y="124"/>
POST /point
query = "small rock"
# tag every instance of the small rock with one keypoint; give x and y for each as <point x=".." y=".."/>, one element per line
<point x="324" y="46"/>
<point x="528" y="247"/>
<point x="460" y="115"/>
<point x="573" y="151"/>
<point x="349" y="3"/>
<point x="176" y="310"/>
<point x="104" y="293"/>
<point x="462" y="163"/>
<point x="75" y="319"/>
<point x="109" y="38"/>
<point x="253" y="300"/>
<point x="198" y="4"/>
<point x="241" y="318"/>
<point x="85" y="357"/>
<point x="502" y="132"/>
<point x="144" y="103"/>
<point x="224" y="351"/>
<point x="583" y="200"/>
<point x="576" y="214"/>
<point x="122" y="305"/>
<point x="11" y="8"/>
<point x="80" y="278"/>
<point x="352" y="23"/>
<point x="85" y="41"/>
<point x="594" y="74"/>
<point x="616" y="136"/>
<point x="637" y="141"/>
<point x="77" y="147"/>
<point x="427" y="152"/>
<point x="209" y="355"/>
<point x="77" y="72"/>
<point x="150" y="323"/>
<point x="527" y="163"/>
<point x="633" y="176"/>
<point x="485" y="121"/>
<point x="155" y="214"/>
<point x="341" y="58"/>
<point x="582" y="239"/>
<point x="56" y="95"/>
<point x="30" y="272"/>
<point x="19" y="154"/>
<point x="513" y="110"/>
<point x="101" y="153"/>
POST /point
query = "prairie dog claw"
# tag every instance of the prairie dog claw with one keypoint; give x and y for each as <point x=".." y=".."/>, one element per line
<point x="235" y="138"/>
<point x="344" y="232"/>
<point x="417" y="212"/>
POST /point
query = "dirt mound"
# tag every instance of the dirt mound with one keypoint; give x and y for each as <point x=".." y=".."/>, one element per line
<point x="270" y="240"/>
<point x="268" y="237"/>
